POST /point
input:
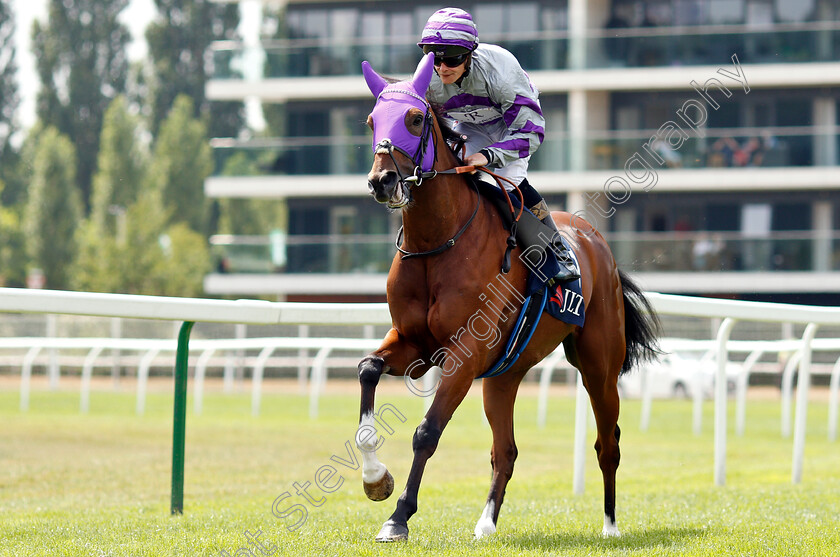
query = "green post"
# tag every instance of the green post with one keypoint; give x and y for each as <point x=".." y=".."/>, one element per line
<point x="180" y="419"/>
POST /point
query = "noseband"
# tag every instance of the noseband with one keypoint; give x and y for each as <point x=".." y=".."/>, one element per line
<point x="418" y="175"/>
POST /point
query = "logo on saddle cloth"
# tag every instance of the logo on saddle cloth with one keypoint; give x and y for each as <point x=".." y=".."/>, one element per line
<point x="564" y="301"/>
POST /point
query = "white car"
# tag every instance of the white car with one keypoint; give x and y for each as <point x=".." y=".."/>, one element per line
<point x="677" y="376"/>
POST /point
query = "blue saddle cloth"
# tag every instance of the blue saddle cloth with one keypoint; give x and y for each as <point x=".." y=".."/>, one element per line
<point x="561" y="301"/>
<point x="565" y="301"/>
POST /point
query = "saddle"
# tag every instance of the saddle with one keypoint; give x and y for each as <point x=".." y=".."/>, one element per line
<point x="561" y="301"/>
<point x="529" y="232"/>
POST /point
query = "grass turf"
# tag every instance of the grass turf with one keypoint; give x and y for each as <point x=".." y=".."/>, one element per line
<point x="98" y="484"/>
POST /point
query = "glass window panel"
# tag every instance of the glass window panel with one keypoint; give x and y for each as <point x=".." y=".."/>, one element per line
<point x="688" y="12"/>
<point x="726" y="11"/>
<point x="402" y="25"/>
<point x="373" y="25"/>
<point x="344" y="23"/>
<point x="759" y="13"/>
<point x="523" y="18"/>
<point x="795" y="10"/>
<point x="727" y="116"/>
<point x="658" y="14"/>
<point x="316" y="24"/>
<point x="421" y="16"/>
<point x="794" y="112"/>
<point x="555" y="18"/>
<point x="294" y="23"/>
<point x="489" y="18"/>
<point x="792" y="216"/>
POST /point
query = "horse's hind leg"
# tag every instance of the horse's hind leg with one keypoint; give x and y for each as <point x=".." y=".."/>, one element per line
<point x="499" y="396"/>
<point x="599" y="358"/>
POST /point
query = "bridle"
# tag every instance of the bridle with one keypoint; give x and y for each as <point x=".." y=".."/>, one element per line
<point x="426" y="136"/>
<point x="418" y="175"/>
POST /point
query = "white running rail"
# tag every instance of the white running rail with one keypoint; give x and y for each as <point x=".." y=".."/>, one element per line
<point x="259" y="312"/>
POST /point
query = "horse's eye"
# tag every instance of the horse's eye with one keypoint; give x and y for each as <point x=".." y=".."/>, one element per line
<point x="418" y="120"/>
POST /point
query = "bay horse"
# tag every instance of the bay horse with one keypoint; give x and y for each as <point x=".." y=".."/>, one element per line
<point x="449" y="307"/>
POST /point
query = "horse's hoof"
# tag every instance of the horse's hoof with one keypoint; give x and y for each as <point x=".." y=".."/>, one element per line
<point x="381" y="489"/>
<point x="392" y="532"/>
<point x="610" y="529"/>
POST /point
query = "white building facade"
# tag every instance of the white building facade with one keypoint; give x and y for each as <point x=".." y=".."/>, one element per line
<point x="700" y="136"/>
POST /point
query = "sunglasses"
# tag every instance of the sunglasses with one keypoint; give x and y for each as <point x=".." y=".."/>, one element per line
<point x="451" y="61"/>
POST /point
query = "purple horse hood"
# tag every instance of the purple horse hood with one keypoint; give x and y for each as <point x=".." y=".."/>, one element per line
<point x="393" y="101"/>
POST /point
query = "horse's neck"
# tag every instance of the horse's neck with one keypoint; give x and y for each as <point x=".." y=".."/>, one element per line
<point x="440" y="206"/>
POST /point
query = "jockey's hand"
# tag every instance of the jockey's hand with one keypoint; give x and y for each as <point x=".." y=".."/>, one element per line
<point x="476" y="159"/>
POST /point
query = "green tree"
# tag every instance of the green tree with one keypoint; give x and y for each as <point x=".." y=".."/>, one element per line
<point x="120" y="166"/>
<point x="249" y="216"/>
<point x="95" y="268"/>
<point x="178" y="41"/>
<point x="82" y="64"/>
<point x="12" y="260"/>
<point x="146" y="258"/>
<point x="53" y="208"/>
<point x="185" y="260"/>
<point x="9" y="103"/>
<point x="182" y="160"/>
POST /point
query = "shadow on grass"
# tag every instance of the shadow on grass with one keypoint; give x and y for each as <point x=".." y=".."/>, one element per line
<point x="648" y="539"/>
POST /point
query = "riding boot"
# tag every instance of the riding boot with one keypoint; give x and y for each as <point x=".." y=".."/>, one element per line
<point x="568" y="271"/>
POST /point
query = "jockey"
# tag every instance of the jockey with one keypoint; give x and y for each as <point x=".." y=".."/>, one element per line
<point x="486" y="92"/>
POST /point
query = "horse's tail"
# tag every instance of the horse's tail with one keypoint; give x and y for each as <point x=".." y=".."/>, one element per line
<point x="641" y="325"/>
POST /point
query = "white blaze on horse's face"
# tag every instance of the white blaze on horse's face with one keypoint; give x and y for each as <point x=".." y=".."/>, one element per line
<point x="398" y="121"/>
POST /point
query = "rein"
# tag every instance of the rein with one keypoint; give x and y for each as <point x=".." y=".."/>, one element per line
<point x="430" y="174"/>
<point x="419" y="175"/>
<point x="450" y="242"/>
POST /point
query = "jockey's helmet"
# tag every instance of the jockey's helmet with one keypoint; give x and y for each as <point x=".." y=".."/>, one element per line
<point x="449" y="32"/>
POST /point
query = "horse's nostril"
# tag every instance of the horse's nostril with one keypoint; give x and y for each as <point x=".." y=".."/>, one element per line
<point x="382" y="185"/>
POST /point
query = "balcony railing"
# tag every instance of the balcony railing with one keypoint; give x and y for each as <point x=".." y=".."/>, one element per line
<point x="716" y="148"/>
<point x="296" y="156"/>
<point x="730" y="148"/>
<point x="774" y="43"/>
<point x="359" y="253"/>
<point x="624" y="47"/>
<point x="726" y="251"/>
<point x="637" y="252"/>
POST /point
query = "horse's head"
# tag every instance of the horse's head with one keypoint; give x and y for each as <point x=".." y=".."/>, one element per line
<point x="402" y="127"/>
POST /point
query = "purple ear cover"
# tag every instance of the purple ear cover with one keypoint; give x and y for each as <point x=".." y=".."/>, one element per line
<point x="423" y="74"/>
<point x="374" y="81"/>
<point x="393" y="101"/>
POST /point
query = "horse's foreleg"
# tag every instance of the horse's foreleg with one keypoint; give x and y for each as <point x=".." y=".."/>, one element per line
<point x="499" y="395"/>
<point x="377" y="481"/>
<point x="447" y="398"/>
<point x="394" y="356"/>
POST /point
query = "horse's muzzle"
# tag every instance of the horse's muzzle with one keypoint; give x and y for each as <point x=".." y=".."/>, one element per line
<point x="383" y="185"/>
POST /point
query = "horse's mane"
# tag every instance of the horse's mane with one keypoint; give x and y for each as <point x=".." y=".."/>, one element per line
<point x="449" y="135"/>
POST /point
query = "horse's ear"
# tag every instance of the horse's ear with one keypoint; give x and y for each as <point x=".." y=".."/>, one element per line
<point x="375" y="82"/>
<point x="423" y="73"/>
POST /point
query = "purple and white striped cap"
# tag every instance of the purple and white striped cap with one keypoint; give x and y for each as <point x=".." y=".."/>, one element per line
<point x="450" y="27"/>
